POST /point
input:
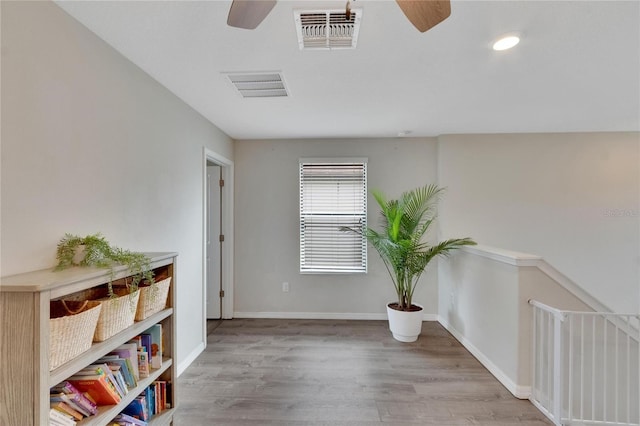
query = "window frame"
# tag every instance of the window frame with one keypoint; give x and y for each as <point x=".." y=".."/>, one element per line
<point x="359" y="247"/>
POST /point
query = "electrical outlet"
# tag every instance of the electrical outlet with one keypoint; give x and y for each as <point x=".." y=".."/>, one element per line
<point x="285" y="287"/>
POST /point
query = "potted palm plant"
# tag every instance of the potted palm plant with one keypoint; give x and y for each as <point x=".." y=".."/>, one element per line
<point x="400" y="244"/>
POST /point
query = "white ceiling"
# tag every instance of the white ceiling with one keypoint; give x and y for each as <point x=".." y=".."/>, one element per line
<point x="577" y="67"/>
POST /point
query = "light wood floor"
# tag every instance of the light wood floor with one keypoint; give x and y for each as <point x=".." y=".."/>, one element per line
<point x="326" y="372"/>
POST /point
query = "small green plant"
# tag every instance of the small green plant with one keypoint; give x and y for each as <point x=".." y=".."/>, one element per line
<point x="99" y="253"/>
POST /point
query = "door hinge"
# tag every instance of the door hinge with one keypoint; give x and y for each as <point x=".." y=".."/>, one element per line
<point x="221" y="182"/>
<point x="221" y="238"/>
<point x="221" y="293"/>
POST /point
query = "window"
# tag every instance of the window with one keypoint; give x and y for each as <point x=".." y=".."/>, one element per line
<point x="333" y="194"/>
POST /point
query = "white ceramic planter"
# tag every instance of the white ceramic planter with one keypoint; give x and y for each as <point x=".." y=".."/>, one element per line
<point x="405" y="326"/>
<point x="80" y="253"/>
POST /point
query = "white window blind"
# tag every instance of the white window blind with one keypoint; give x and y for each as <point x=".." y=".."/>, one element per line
<point x="333" y="194"/>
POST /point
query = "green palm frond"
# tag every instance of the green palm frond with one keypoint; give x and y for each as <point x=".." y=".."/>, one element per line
<point x="400" y="242"/>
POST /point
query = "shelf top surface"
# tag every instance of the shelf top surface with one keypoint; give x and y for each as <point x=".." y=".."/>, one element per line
<point x="48" y="279"/>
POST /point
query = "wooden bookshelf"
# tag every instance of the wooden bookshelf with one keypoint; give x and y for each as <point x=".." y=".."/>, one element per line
<point x="25" y="378"/>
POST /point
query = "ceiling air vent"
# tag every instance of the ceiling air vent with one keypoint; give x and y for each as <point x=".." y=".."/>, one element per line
<point x="259" y="85"/>
<point x="327" y="29"/>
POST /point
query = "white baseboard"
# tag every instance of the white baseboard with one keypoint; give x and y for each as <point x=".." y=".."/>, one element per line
<point x="190" y="358"/>
<point x="322" y="315"/>
<point x="521" y="392"/>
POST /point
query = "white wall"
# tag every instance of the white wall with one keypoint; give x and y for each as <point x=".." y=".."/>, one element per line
<point x="483" y="302"/>
<point x="478" y="304"/>
<point x="267" y="228"/>
<point x="91" y="143"/>
<point x="571" y="198"/>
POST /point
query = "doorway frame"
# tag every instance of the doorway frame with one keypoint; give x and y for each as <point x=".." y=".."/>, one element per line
<point x="226" y="312"/>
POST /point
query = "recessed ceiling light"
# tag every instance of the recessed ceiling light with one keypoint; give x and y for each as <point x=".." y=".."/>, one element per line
<point x="506" y="42"/>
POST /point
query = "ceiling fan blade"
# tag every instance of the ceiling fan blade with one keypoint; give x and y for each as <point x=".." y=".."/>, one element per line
<point x="425" y="14"/>
<point x="248" y="14"/>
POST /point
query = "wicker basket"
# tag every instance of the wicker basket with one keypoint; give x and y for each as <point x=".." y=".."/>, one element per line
<point x="71" y="325"/>
<point x="117" y="312"/>
<point x="153" y="298"/>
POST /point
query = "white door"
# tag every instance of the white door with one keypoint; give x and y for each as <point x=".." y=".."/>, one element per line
<point x="214" y="252"/>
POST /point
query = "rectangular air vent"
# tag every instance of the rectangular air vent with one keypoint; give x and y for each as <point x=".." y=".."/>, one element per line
<point x="327" y="29"/>
<point x="259" y="85"/>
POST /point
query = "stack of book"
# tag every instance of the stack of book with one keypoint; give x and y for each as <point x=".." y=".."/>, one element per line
<point x="102" y="384"/>
<point x="149" y="346"/>
<point x="126" y="420"/>
<point x="109" y="380"/>
<point x="69" y="404"/>
<point x="60" y="418"/>
<point x="151" y="402"/>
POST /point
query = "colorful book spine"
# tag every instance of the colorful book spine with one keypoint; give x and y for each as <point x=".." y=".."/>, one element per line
<point x="124" y="366"/>
<point x="137" y="408"/>
<point x="146" y="343"/>
<point x="66" y="399"/>
<point x="64" y="408"/>
<point x="77" y="398"/>
<point x="111" y="379"/>
<point x="150" y="399"/>
<point x="100" y="370"/>
<point x="129" y="351"/>
<point x="115" y="370"/>
<point x="58" y="418"/>
<point x="155" y="332"/>
<point x="143" y="363"/>
<point x="125" y="419"/>
<point x="97" y="387"/>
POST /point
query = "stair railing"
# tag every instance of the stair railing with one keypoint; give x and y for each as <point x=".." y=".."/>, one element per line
<point x="586" y="366"/>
